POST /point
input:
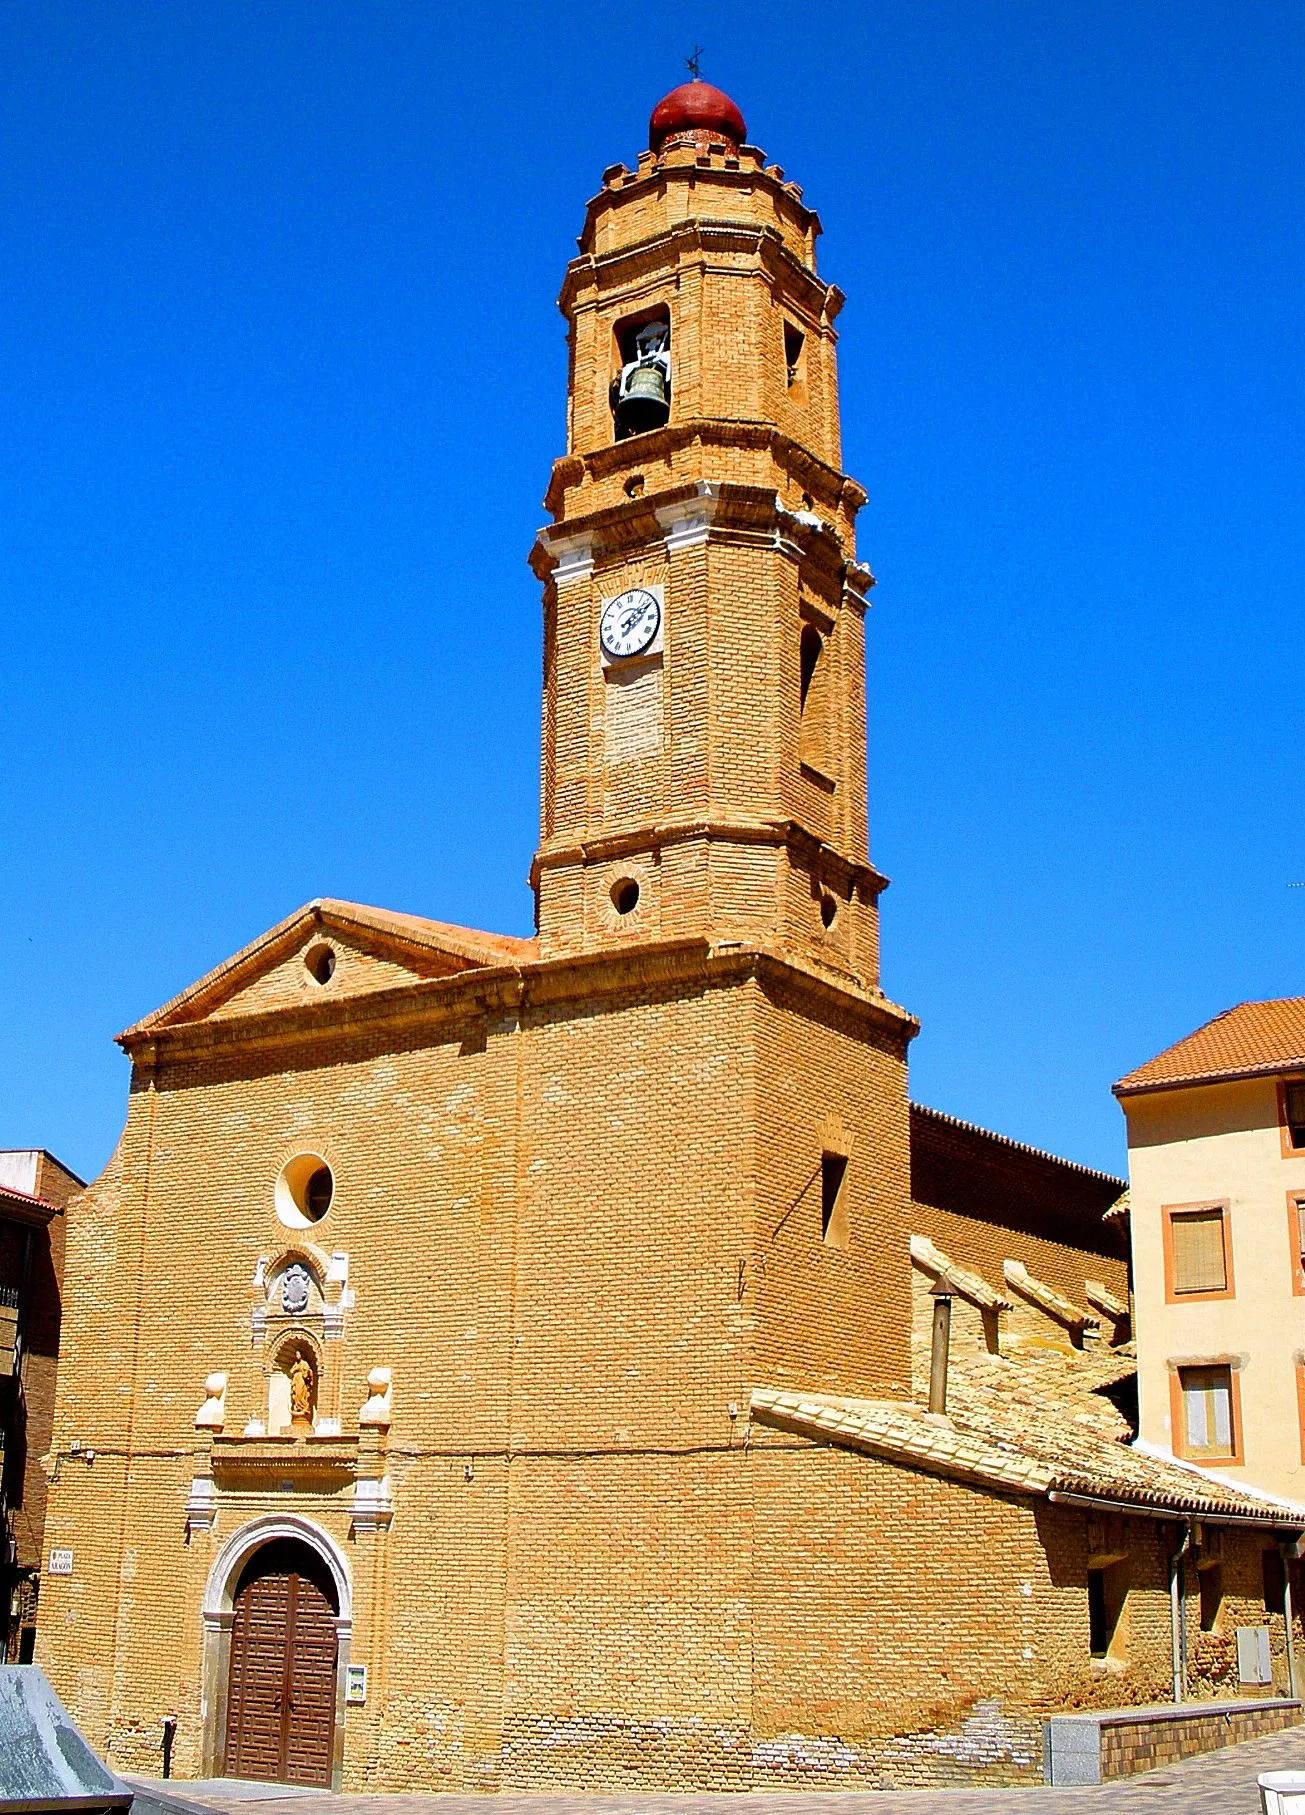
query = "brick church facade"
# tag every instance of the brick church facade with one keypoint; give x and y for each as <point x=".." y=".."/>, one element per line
<point x="498" y="1362"/>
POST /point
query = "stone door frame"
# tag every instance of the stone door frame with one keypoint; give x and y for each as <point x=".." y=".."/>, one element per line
<point x="217" y="1614"/>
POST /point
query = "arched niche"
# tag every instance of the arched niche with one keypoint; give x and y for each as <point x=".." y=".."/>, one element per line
<point x="292" y="1346"/>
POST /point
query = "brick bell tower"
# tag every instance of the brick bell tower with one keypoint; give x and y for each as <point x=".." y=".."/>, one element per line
<point x="704" y="691"/>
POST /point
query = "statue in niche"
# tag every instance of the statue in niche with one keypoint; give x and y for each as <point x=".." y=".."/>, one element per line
<point x="303" y="1391"/>
<point x="294" y="1289"/>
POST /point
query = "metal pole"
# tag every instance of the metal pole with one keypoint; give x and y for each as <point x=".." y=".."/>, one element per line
<point x="942" y="1342"/>
<point x="1178" y="1615"/>
<point x="1287" y="1613"/>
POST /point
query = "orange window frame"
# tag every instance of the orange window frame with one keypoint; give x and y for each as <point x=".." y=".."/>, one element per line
<point x="1296" y="1239"/>
<point x="1167" y="1214"/>
<point x="1178" y="1423"/>
<point x="1289" y="1150"/>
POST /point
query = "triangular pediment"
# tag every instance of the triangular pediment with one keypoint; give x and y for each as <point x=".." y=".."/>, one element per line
<point x="331" y="949"/>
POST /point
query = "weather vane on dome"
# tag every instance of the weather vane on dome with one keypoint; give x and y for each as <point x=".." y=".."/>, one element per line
<point x="692" y="63"/>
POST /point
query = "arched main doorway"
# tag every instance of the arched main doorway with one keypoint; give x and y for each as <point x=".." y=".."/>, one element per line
<point x="281" y="1687"/>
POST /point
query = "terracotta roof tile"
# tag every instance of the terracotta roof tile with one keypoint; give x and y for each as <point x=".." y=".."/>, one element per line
<point x="23" y="1207"/>
<point x="1046" y="1298"/>
<point x="930" y="1258"/>
<point x="1036" y="1421"/>
<point x="464" y="948"/>
<point x="1104" y="1299"/>
<point x="463" y="940"/>
<point x="1253" y="1038"/>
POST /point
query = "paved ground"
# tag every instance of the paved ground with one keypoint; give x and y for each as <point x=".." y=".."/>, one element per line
<point x="1220" y="1783"/>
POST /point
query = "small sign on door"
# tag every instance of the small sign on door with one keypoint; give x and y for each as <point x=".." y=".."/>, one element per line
<point x="61" y="1563"/>
<point x="355" y="1685"/>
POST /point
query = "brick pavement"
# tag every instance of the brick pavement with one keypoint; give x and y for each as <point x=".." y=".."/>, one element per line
<point x="1219" y="1783"/>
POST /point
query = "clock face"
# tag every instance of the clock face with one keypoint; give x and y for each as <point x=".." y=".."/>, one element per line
<point x="629" y="622"/>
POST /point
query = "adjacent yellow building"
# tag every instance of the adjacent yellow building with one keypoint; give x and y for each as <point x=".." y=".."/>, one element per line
<point x="1216" y="1159"/>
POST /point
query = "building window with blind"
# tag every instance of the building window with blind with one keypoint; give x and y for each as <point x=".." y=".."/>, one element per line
<point x="1296" y="1240"/>
<point x="1206" y="1414"/>
<point x="1198" y="1252"/>
<point x="1291" y="1111"/>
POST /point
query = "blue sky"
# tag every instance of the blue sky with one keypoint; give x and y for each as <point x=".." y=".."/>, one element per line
<point x="281" y="377"/>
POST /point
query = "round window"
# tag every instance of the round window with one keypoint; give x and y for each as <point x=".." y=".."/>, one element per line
<point x="625" y="895"/>
<point x="304" y="1191"/>
<point x="320" y="960"/>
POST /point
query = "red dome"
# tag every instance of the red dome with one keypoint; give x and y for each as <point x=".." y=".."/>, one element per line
<point x="697" y="108"/>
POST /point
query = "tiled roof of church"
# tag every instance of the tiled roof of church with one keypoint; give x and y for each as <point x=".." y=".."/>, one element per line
<point x="973" y="1172"/>
<point x="488" y="948"/>
<point x="932" y="1259"/>
<point x="461" y="948"/>
<point x="1004" y="1142"/>
<point x="1033" y="1422"/>
<point x="1046" y="1297"/>
<point x="1242" y="1042"/>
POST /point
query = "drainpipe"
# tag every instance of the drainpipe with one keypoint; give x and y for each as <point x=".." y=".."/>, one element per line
<point x="941" y="1293"/>
<point x="1178" y="1614"/>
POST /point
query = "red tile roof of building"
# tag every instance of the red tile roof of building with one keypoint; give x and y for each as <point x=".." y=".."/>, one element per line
<point x="22" y="1207"/>
<point x="1243" y="1042"/>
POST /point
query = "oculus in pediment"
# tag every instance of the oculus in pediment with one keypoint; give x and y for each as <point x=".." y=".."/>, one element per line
<point x="329" y="950"/>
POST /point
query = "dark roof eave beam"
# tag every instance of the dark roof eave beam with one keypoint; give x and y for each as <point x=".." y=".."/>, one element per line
<point x="1172" y="1514"/>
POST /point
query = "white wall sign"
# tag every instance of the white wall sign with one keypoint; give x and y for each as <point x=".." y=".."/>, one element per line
<point x="1254" y="1662"/>
<point x="61" y="1563"/>
<point x="355" y="1684"/>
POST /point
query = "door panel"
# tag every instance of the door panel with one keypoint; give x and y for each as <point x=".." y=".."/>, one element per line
<point x="311" y="1679"/>
<point x="282" y="1686"/>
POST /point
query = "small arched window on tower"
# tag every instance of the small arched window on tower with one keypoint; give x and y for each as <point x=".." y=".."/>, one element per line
<point x="812" y="648"/>
<point x="641" y="389"/>
<point x="813" y="702"/>
<point x="794" y="343"/>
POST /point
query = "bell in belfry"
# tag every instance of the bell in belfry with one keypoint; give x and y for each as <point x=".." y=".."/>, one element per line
<point x="642" y="394"/>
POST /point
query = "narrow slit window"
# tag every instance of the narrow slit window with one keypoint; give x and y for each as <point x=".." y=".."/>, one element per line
<point x="812" y="648"/>
<point x="1207" y="1413"/>
<point x="1211" y="1581"/>
<point x="794" y="341"/>
<point x="1273" y="1577"/>
<point x="814" y="705"/>
<point x="1107" y="1590"/>
<point x="833" y="1209"/>
<point x="1200" y="1259"/>
<point x="1098" y="1624"/>
<point x="1294" y="1107"/>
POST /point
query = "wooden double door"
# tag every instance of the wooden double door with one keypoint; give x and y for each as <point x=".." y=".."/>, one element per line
<point x="282" y="1688"/>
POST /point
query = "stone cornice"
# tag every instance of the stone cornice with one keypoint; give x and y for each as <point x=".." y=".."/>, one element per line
<point x="508" y="990"/>
<point x="716" y="249"/>
<point x="781" y="833"/>
<point x="695" y="234"/>
<point x="693" y="512"/>
<point x="825" y="482"/>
